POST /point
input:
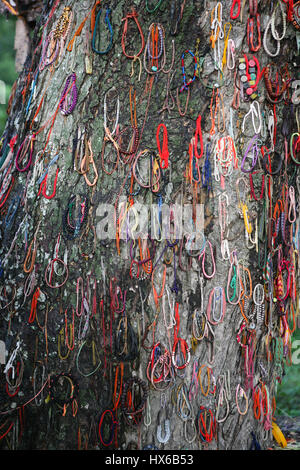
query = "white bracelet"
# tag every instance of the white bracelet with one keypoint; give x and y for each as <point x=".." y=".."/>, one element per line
<point x="255" y="112"/>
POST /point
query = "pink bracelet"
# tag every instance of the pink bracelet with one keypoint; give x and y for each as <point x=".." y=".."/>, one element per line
<point x="208" y="276"/>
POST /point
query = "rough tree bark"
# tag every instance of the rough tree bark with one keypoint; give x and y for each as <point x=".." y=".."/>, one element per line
<point x="114" y="298"/>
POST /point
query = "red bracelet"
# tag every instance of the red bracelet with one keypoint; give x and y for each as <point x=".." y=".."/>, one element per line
<point x="234" y="2"/>
<point x="163" y="152"/>
<point x="43" y="186"/>
<point x="34" y="305"/>
<point x="198" y="133"/>
<point x="113" y="429"/>
<point x="133" y="16"/>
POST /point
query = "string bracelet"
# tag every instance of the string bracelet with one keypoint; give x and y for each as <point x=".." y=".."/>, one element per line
<point x="240" y="394"/>
<point x="111" y="33"/>
<point x="206" y="424"/>
<point x="236" y="4"/>
<point x="70" y="395"/>
<point x="132" y="16"/>
<point x="113" y="427"/>
<point x="216" y="297"/>
<point x="163" y="151"/>
<point x="181" y="342"/>
<point x="26" y="146"/>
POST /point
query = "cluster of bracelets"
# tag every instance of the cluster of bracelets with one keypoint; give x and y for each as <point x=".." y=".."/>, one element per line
<point x="141" y="340"/>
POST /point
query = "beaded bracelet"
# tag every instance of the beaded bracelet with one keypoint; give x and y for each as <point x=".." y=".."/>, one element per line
<point x="274" y="89"/>
<point x="134" y="141"/>
<point x="293" y="14"/>
<point x="65" y="107"/>
<point x="156" y="33"/>
<point x="133" y="416"/>
<point x="185" y="83"/>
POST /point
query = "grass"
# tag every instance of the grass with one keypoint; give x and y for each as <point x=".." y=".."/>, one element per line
<point x="288" y="392"/>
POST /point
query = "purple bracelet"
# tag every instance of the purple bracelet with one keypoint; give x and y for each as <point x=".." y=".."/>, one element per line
<point x="45" y="59"/>
<point x="63" y="100"/>
<point x="254" y="158"/>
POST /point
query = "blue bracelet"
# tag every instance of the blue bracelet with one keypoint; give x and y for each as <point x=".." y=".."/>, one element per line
<point x="107" y="22"/>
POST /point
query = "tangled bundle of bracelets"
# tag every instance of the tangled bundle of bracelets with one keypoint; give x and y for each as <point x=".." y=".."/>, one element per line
<point x="119" y="336"/>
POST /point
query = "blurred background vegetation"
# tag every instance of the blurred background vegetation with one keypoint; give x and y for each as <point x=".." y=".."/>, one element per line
<point x="288" y="397"/>
<point x="288" y="393"/>
<point x="8" y="73"/>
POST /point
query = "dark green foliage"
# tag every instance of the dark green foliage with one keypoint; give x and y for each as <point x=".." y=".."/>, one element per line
<point x="7" y="62"/>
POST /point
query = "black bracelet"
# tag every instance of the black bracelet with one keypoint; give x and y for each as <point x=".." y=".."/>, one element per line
<point x="278" y="169"/>
<point x="143" y="385"/>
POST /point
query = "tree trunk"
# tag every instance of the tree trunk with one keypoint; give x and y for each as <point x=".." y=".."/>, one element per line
<point x="119" y="332"/>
